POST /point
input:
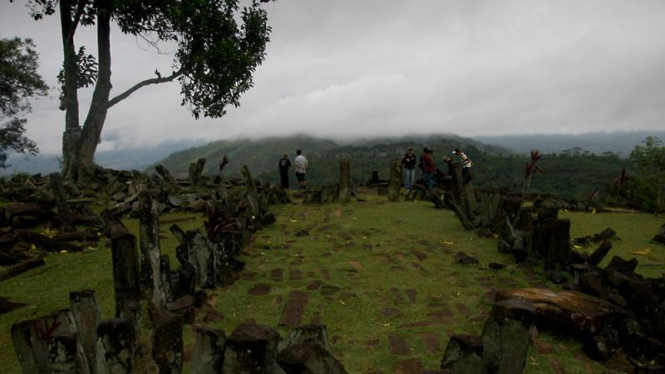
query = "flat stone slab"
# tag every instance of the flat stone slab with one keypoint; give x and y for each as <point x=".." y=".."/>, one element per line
<point x="419" y="255"/>
<point x="573" y="309"/>
<point x="431" y="340"/>
<point x="314" y="285"/>
<point x="277" y="274"/>
<point x="412" y="366"/>
<point x="259" y="289"/>
<point x="412" y="295"/>
<point x="294" y="309"/>
<point x="398" y="345"/>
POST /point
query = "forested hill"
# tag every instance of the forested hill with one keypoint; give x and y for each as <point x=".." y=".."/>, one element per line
<point x="262" y="155"/>
<point x="566" y="175"/>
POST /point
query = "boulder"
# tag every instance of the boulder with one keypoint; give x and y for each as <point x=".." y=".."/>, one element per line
<point x="309" y="358"/>
<point x="507" y="336"/>
<point x="252" y="349"/>
<point x="464" y="356"/>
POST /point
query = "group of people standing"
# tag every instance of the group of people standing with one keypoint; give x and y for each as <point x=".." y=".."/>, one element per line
<point x="427" y="165"/>
<point x="301" y="169"/>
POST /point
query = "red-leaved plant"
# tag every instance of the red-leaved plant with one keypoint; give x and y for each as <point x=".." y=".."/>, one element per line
<point x="621" y="179"/>
<point x="530" y="170"/>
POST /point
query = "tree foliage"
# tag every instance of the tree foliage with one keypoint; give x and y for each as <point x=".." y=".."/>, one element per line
<point x="650" y="161"/>
<point x="19" y="82"/>
<point x="218" y="48"/>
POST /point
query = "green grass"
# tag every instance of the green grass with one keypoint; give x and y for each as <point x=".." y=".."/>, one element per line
<point x="360" y="280"/>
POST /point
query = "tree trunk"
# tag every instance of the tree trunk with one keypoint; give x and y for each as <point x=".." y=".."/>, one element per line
<point x="69" y="90"/>
<point x="94" y="122"/>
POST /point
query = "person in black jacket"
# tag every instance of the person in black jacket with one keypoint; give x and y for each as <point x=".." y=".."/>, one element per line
<point x="409" y="167"/>
<point x="284" y="165"/>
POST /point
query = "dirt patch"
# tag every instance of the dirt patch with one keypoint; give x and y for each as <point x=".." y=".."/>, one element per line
<point x="356" y="264"/>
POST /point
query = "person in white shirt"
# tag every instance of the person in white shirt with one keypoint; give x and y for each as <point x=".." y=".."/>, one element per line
<point x="467" y="171"/>
<point x="301" y="168"/>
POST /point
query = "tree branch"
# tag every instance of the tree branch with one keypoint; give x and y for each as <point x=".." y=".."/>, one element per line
<point x="77" y="18"/>
<point x="139" y="85"/>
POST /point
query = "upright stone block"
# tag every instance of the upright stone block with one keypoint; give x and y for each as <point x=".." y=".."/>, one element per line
<point x="344" y="181"/>
<point x="209" y="351"/>
<point x="31" y="339"/>
<point x="464" y="355"/>
<point x="165" y="276"/>
<point x="307" y="334"/>
<point x="252" y="349"/>
<point x="251" y="194"/>
<point x="507" y="336"/>
<point x="309" y="358"/>
<point x="559" y="251"/>
<point x="87" y="317"/>
<point x="167" y="344"/>
<point x="395" y="181"/>
<point x="115" y="347"/>
<point x="66" y="355"/>
<point x="151" y="281"/>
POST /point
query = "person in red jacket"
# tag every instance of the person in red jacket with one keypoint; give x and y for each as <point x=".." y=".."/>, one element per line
<point x="430" y="166"/>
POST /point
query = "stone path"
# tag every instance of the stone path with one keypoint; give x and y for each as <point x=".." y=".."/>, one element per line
<point x="385" y="296"/>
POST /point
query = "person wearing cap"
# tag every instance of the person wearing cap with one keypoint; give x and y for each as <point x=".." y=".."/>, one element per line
<point x="409" y="167"/>
<point x="284" y="165"/>
<point x="430" y="167"/>
<point x="467" y="173"/>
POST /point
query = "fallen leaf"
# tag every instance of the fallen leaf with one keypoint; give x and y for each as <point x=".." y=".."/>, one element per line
<point x="644" y="251"/>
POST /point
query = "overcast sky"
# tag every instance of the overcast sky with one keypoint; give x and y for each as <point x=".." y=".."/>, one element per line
<point x="358" y="68"/>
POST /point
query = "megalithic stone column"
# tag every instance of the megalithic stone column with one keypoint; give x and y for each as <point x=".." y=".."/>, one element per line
<point x="115" y="347"/>
<point x="208" y="351"/>
<point x="151" y="281"/>
<point x="344" y="181"/>
<point x="455" y="171"/>
<point x="165" y="275"/>
<point x="507" y="336"/>
<point x="66" y="355"/>
<point x="167" y="344"/>
<point x="395" y="181"/>
<point x="87" y="317"/>
<point x="559" y="251"/>
<point x="252" y="348"/>
<point x="126" y="283"/>
<point x="61" y="198"/>
<point x="31" y="338"/>
<point x="252" y="195"/>
<point x="32" y="353"/>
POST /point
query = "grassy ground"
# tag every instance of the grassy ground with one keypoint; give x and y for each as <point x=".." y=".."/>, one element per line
<point x="380" y="275"/>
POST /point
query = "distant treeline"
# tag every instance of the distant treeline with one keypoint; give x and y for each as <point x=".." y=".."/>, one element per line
<point x="570" y="176"/>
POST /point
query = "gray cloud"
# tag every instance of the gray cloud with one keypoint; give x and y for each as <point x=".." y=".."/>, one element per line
<point x="362" y="68"/>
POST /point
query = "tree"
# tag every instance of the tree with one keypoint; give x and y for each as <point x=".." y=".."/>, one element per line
<point x="650" y="160"/>
<point x="19" y="82"/>
<point x="213" y="62"/>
